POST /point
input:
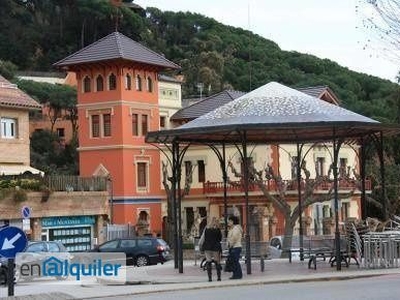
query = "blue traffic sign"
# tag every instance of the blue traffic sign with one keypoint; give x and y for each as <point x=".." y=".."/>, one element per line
<point x="12" y="241"/>
<point x="26" y="212"/>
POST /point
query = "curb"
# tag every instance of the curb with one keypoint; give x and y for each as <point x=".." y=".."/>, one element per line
<point x="246" y="282"/>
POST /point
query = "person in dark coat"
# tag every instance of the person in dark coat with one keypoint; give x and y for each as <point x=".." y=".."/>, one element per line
<point x="211" y="244"/>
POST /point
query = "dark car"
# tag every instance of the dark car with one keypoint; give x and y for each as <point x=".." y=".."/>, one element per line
<point x="140" y="251"/>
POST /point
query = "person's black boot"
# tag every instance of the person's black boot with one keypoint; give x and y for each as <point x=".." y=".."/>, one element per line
<point x="209" y="271"/>
<point x="219" y="268"/>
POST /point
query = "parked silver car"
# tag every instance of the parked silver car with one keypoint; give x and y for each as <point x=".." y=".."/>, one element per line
<point x="3" y="270"/>
<point x="275" y="247"/>
<point x="36" y="251"/>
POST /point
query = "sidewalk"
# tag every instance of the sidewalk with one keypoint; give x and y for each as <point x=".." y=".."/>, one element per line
<point x="165" y="277"/>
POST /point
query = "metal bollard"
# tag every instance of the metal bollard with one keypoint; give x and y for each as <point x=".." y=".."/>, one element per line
<point x="10" y="276"/>
<point x="262" y="264"/>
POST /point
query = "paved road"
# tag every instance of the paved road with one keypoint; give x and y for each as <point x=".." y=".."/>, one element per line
<point x="164" y="278"/>
<point x="385" y="287"/>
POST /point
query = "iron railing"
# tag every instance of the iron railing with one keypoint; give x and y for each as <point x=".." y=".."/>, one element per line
<point x="54" y="183"/>
<point x="210" y="187"/>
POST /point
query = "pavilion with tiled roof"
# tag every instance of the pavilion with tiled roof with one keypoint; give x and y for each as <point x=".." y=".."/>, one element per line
<point x="199" y="107"/>
<point x="277" y="114"/>
<point x="274" y="113"/>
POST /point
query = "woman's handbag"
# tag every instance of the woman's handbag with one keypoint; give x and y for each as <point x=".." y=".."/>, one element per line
<point x="228" y="263"/>
<point x="201" y="241"/>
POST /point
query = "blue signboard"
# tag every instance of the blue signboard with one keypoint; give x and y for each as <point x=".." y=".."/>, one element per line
<point x="26" y="212"/>
<point x="12" y="240"/>
<point x="67" y="221"/>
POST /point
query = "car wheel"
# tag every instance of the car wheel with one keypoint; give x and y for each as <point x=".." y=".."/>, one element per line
<point x="142" y="260"/>
<point x="130" y="260"/>
<point x="17" y="275"/>
<point x="3" y="276"/>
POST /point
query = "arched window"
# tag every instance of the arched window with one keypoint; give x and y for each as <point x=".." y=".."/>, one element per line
<point x="138" y="83"/>
<point x="86" y="84"/>
<point x="128" y="82"/>
<point x="149" y="84"/>
<point x="112" y="82"/>
<point x="99" y="83"/>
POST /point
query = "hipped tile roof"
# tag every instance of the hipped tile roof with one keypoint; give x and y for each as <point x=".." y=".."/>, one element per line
<point x="12" y="96"/>
<point x="322" y="92"/>
<point x="116" y="46"/>
<point x="315" y="91"/>
<point x="206" y="105"/>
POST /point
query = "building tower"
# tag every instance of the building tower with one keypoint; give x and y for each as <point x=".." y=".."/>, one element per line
<point x="118" y="104"/>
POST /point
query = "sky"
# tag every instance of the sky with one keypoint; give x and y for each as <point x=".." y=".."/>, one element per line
<point x="325" y="28"/>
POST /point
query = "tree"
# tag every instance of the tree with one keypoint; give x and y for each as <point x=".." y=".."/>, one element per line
<point x="168" y="181"/>
<point x="381" y="18"/>
<point x="60" y="101"/>
<point x="51" y="156"/>
<point x="7" y="69"/>
<point x="308" y="196"/>
<point x="62" y="104"/>
<point x="45" y="151"/>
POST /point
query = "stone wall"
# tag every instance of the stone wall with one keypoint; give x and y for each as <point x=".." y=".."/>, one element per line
<point x="58" y="204"/>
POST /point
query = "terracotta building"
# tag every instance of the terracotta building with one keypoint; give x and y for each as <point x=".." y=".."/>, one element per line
<point x="118" y="103"/>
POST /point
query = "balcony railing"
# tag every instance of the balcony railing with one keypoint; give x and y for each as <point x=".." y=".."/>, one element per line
<point x="76" y="183"/>
<point x="54" y="183"/>
<point x="271" y="186"/>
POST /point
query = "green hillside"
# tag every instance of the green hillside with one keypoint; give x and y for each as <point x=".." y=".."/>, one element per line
<point x="35" y="34"/>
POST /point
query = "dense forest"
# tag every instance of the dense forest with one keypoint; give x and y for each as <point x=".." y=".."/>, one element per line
<point x="34" y="34"/>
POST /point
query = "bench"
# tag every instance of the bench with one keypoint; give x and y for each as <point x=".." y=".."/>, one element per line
<point x="319" y="247"/>
<point x="257" y="250"/>
<point x="326" y="247"/>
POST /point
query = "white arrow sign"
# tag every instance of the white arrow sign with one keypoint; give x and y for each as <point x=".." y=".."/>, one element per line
<point x="9" y="244"/>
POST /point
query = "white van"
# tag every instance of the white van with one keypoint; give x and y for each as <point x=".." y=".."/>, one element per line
<point x="275" y="247"/>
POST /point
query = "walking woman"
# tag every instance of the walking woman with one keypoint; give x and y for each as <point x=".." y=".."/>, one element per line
<point x="235" y="245"/>
<point x="211" y="244"/>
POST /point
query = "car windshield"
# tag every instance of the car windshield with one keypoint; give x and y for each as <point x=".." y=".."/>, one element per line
<point x="128" y="243"/>
<point x="53" y="247"/>
<point x="162" y="242"/>
<point x="144" y="242"/>
<point x="37" y="247"/>
<point x="109" y="245"/>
